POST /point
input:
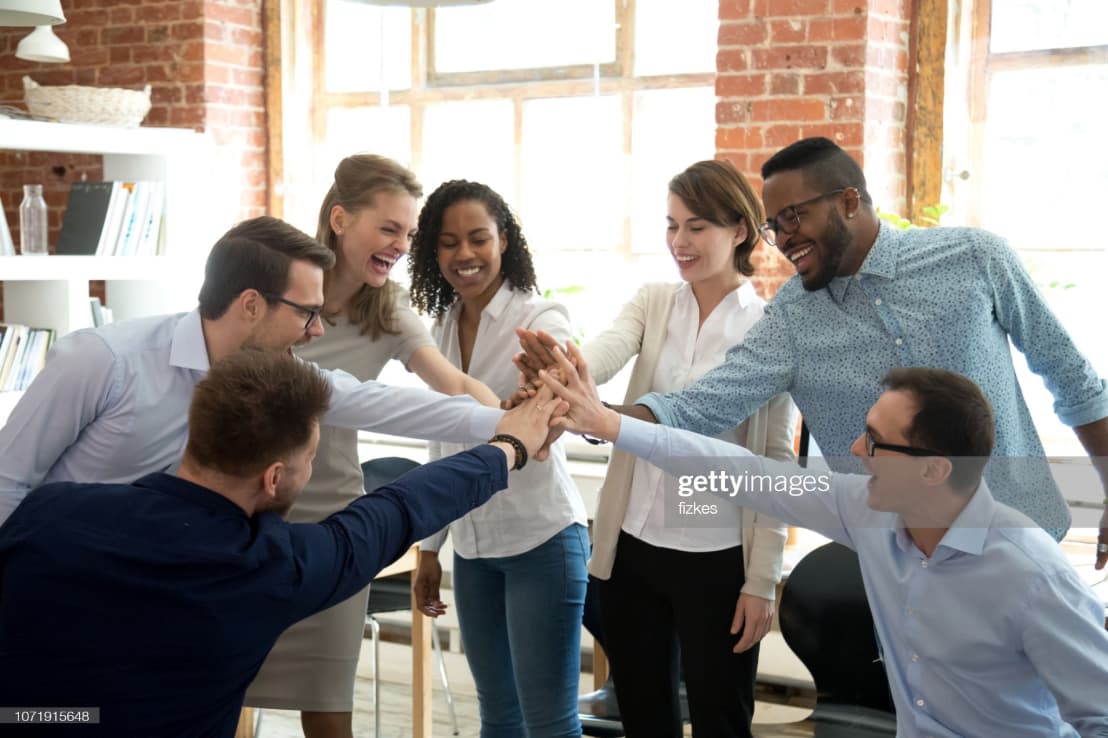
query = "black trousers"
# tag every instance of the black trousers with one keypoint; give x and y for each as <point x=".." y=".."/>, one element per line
<point x="661" y="607"/>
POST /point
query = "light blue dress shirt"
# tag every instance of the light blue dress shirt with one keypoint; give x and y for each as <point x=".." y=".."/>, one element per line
<point x="995" y="634"/>
<point x="111" y="405"/>
<point x="937" y="297"/>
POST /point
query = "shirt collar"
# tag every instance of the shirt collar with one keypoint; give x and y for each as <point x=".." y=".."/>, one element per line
<point x="879" y="262"/>
<point x="188" y="349"/>
<point x="744" y="294"/>
<point x="497" y="305"/>
<point x="967" y="533"/>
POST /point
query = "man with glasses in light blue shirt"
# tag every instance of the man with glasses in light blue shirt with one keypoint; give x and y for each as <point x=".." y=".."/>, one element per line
<point x="986" y="628"/>
<point x="111" y="404"/>
<point x="868" y="298"/>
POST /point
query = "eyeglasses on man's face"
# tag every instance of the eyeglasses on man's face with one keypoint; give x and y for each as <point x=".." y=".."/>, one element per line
<point x="311" y="312"/>
<point x="872" y="445"/>
<point x="787" y="220"/>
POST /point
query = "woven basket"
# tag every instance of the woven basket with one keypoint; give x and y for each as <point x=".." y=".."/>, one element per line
<point x="111" y="106"/>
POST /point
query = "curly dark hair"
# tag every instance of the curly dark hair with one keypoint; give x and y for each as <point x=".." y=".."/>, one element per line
<point x="430" y="291"/>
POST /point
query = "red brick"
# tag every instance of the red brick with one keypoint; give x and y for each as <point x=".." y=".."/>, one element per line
<point x="230" y="14"/>
<point x="739" y="137"/>
<point x="729" y="9"/>
<point x="790" y="57"/>
<point x="847" y="135"/>
<point x="852" y="7"/>
<point x="786" y="8"/>
<point x="788" y="109"/>
<point x="121" y="16"/>
<point x="732" y="60"/>
<point x="851" y="56"/>
<point x="831" y="83"/>
<point x="186" y="30"/>
<point x="746" y="33"/>
<point x="781" y="135"/>
<point x="741" y="85"/>
<point x="122" y="35"/>
<point x="848" y="107"/>
<point x="784" y="84"/>
<point x="792" y="31"/>
<point x="731" y="112"/>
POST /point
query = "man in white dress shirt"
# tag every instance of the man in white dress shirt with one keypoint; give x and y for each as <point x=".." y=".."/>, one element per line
<point x="987" y="629"/>
<point x="111" y="403"/>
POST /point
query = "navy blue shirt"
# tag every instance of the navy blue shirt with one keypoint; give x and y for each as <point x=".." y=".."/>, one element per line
<point x="158" y="601"/>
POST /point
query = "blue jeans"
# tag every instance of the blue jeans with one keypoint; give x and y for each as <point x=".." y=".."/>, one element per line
<point x="520" y="618"/>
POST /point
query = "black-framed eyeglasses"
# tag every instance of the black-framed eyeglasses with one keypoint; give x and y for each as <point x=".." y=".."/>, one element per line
<point x="872" y="445"/>
<point x="312" y="312"/>
<point x="787" y="220"/>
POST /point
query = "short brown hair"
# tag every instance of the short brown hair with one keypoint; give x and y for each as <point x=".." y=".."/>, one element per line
<point x="254" y="407"/>
<point x="256" y="254"/>
<point x="718" y="192"/>
<point x="953" y="418"/>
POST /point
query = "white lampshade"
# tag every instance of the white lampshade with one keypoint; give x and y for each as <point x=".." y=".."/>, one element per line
<point x="41" y="45"/>
<point x="421" y="3"/>
<point x="31" y="12"/>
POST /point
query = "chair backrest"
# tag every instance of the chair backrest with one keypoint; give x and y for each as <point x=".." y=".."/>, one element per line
<point x="393" y="593"/>
<point x="826" y="621"/>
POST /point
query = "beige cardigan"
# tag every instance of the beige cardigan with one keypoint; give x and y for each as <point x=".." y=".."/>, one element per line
<point x="640" y="330"/>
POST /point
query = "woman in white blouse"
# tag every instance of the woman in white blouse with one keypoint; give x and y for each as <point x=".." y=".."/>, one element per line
<point x="519" y="560"/>
<point x="688" y="578"/>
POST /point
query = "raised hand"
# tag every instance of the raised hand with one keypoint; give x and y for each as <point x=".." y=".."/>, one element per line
<point x="537" y="354"/>
<point x="586" y="413"/>
<point x="530" y="422"/>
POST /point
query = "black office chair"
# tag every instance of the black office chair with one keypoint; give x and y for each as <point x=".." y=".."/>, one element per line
<point x="393" y="594"/>
<point x="826" y="621"/>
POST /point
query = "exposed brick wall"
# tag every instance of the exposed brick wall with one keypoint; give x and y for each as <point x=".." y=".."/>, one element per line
<point x="789" y="69"/>
<point x="203" y="62"/>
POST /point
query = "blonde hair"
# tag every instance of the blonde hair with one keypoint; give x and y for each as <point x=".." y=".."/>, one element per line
<point x="358" y="179"/>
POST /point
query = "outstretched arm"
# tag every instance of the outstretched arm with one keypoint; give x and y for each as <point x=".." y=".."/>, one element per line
<point x="432" y="367"/>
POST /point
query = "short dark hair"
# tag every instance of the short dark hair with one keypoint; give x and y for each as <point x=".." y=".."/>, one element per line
<point x="254" y="407"/>
<point x="431" y="293"/>
<point x="825" y="166"/>
<point x="718" y="192"/>
<point x="256" y="254"/>
<point x="953" y="418"/>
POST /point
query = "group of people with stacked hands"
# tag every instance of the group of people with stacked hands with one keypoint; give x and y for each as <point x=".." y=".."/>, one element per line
<point x="160" y="565"/>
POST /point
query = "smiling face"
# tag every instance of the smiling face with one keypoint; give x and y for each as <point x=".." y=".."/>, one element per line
<point x="282" y="326"/>
<point x="895" y="482"/>
<point x="823" y="246"/>
<point x="371" y="239"/>
<point x="702" y="250"/>
<point x="468" y="252"/>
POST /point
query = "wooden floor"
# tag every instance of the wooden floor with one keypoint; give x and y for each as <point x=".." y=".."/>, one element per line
<point x="396" y="700"/>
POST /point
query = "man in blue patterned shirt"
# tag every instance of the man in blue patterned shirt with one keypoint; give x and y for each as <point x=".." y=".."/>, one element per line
<point x="868" y="298"/>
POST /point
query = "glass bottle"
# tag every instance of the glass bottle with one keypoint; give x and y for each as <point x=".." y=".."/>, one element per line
<point x="32" y="221"/>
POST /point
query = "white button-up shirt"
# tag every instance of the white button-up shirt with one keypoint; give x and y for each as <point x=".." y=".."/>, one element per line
<point x="111" y="405"/>
<point x="687" y="355"/>
<point x="542" y="498"/>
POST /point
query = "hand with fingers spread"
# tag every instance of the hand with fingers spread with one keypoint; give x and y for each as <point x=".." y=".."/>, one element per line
<point x="585" y="413"/>
<point x="753" y="618"/>
<point x="537" y="354"/>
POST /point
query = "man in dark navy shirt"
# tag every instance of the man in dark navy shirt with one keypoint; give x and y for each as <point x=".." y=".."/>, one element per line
<point x="157" y="602"/>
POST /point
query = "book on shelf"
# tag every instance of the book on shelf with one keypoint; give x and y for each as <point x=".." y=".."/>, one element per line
<point x="22" y="355"/>
<point x="113" y="219"/>
<point x="86" y="211"/>
<point x="101" y="313"/>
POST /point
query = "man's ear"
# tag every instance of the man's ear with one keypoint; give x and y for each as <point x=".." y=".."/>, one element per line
<point x="271" y="479"/>
<point x="937" y="471"/>
<point x="251" y="305"/>
<point x="852" y="201"/>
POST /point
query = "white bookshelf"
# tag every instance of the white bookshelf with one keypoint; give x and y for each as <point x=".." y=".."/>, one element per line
<point x="52" y="291"/>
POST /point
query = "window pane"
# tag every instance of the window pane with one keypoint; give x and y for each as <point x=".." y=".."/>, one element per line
<point x="524" y="34"/>
<point x="573" y="173"/>
<point x="375" y="130"/>
<point x="671" y="130"/>
<point x="1023" y="25"/>
<point x="1044" y="152"/>
<point x="470" y="140"/>
<point x="675" y="38"/>
<point x="354" y="54"/>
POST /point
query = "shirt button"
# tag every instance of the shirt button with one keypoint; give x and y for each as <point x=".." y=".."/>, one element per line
<point x="915" y="657"/>
<point x="919" y="703"/>
<point x="899" y="341"/>
<point x="923" y="564"/>
<point x="877" y="301"/>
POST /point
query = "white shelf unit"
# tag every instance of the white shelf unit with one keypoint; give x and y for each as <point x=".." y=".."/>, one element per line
<point x="52" y="291"/>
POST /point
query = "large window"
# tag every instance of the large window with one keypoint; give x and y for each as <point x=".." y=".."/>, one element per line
<point x="1024" y="151"/>
<point x="577" y="111"/>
